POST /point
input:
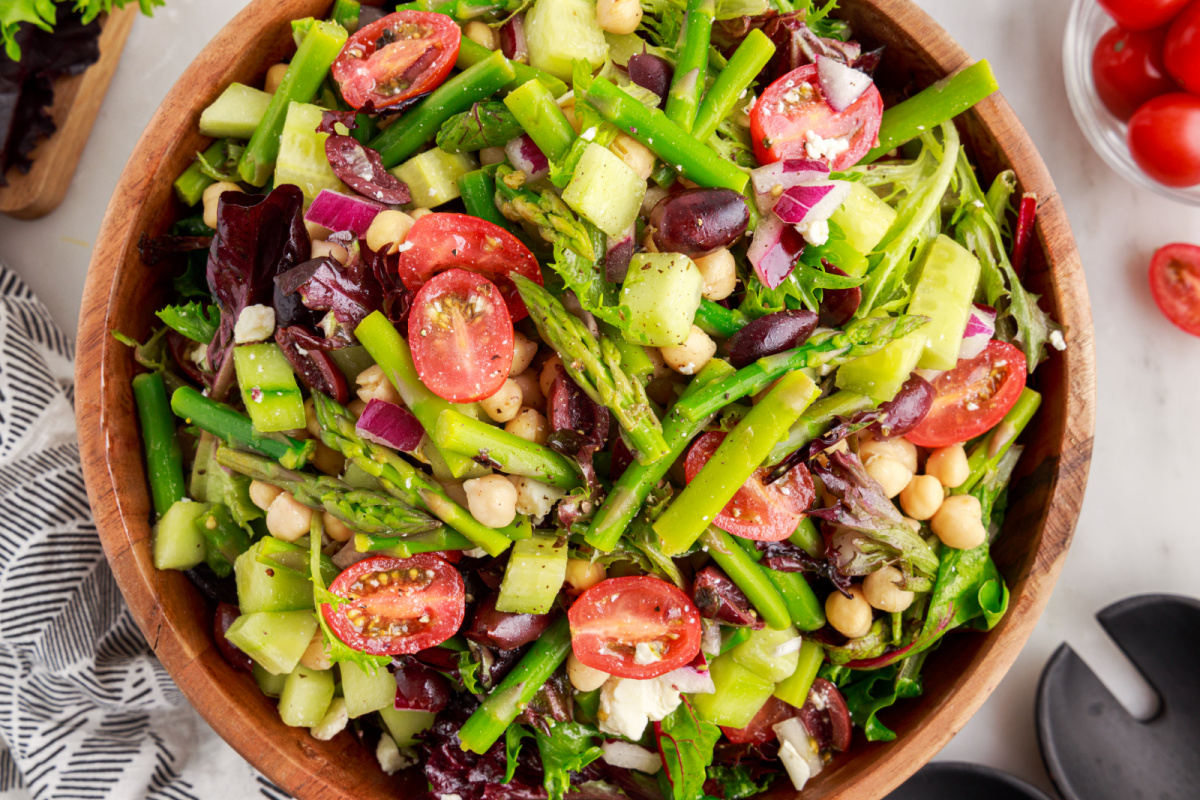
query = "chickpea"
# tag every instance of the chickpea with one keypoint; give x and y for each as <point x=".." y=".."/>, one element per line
<point x="567" y="104"/>
<point x="900" y="449"/>
<point x="959" y="522"/>
<point x="524" y="350"/>
<point x="211" y="197"/>
<point x="922" y="497"/>
<point x="719" y="272"/>
<point x="388" y="230"/>
<point x="549" y="373"/>
<point x="373" y="384"/>
<point x="949" y="465"/>
<point x="328" y="460"/>
<point x="882" y="590"/>
<point x="482" y="34"/>
<point x="316" y="231"/>
<point x="417" y="213"/>
<point x="531" y="390"/>
<point x="660" y="365"/>
<point x="274" y="77"/>
<point x="618" y="16"/>
<point x="322" y="248"/>
<point x="288" y="519"/>
<point x="263" y="494"/>
<point x="850" y="616"/>
<point x="504" y="404"/>
<point x="583" y="575"/>
<point x="636" y="156"/>
<point x="530" y="425"/>
<point x="654" y="193"/>
<point x="492" y="500"/>
<point x="583" y="677"/>
<point x="691" y="356"/>
<point x="314" y="656"/>
<point x="492" y="155"/>
<point x="891" y="474"/>
<point x="335" y="528"/>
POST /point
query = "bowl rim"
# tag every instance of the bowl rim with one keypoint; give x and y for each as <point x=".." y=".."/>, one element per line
<point x="125" y="535"/>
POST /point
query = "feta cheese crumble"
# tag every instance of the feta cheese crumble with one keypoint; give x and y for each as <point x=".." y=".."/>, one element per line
<point x="815" y="232"/>
<point x="627" y="705"/>
<point x="254" y="324"/>
<point x="828" y="149"/>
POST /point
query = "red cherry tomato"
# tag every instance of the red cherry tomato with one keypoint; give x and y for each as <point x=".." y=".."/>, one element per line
<point x="1142" y="15"/>
<point x="759" y="511"/>
<point x="397" y="605"/>
<point x="1128" y="69"/>
<point x="1164" y="139"/>
<point x="442" y="241"/>
<point x="973" y="397"/>
<point x="1175" y="283"/>
<point x="461" y="336"/>
<point x="761" y="728"/>
<point x="610" y="620"/>
<point x="1182" y="50"/>
<point x="398" y="57"/>
<point x="792" y="108"/>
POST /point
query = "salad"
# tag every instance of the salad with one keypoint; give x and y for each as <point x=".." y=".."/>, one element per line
<point x="591" y="398"/>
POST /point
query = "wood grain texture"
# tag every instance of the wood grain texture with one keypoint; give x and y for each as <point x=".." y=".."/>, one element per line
<point x="77" y="100"/>
<point x="121" y="293"/>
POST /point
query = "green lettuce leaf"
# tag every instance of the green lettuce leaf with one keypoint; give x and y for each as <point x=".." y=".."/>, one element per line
<point x="686" y="743"/>
<point x="43" y="14"/>
<point x="567" y="748"/>
<point x="197" y="321"/>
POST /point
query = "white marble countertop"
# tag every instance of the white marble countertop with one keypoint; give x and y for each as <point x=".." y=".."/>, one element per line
<point x="1137" y="533"/>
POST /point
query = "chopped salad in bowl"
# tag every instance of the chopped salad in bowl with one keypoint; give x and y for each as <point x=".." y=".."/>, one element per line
<point x="610" y="399"/>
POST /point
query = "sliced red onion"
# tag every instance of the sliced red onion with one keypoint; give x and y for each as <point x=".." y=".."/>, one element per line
<point x="341" y="212"/>
<point x="390" y="425"/>
<point x="619" y="254"/>
<point x="631" y="756"/>
<point x="774" y="250"/>
<point x="784" y="174"/>
<point x="981" y="327"/>
<point x="841" y="85"/>
<point x="788" y="647"/>
<point x="527" y="157"/>
<point x="512" y="39"/>
<point x="811" y="202"/>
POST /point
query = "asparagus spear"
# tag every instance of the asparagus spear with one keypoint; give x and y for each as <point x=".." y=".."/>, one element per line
<point x="742" y="70"/>
<point x="596" y="367"/>
<point x="533" y="106"/>
<point x="717" y="320"/>
<point x="478" y="190"/>
<point x="436" y="542"/>
<point x="817" y="419"/>
<point x="748" y="576"/>
<point x="545" y="210"/>
<point x="227" y="424"/>
<point x="691" y="64"/>
<point x="164" y="456"/>
<point x="458" y="433"/>
<point x="471" y="53"/>
<point x="190" y="186"/>
<point x="986" y="455"/>
<point x="802" y="605"/>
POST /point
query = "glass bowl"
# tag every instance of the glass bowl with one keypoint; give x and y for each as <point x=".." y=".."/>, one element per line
<point x="1087" y="23"/>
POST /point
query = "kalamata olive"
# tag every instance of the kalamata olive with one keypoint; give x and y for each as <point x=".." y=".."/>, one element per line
<point x="717" y="597"/>
<point x="774" y="333"/>
<point x="826" y="717"/>
<point x="697" y="221"/>
<point x="504" y="630"/>
<point x="616" y="260"/>
<point x="906" y="410"/>
<point x="418" y="687"/>
<point x="651" y="72"/>
<point x="225" y="616"/>
<point x="838" y="305"/>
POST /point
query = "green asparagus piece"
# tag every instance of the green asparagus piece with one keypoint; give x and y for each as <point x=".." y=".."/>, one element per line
<point x="458" y="433"/>
<point x="674" y="145"/>
<point x="803" y="606"/>
<point x="313" y="59"/>
<point x="986" y="455"/>
<point x="442" y="539"/>
<point x="931" y="107"/>
<point x="596" y="367"/>
<point x="278" y="554"/>
<point x="742" y="452"/>
<point x="231" y="426"/>
<point x="554" y="220"/>
<point x="418" y="125"/>
<point x="487" y="124"/>
<point x="164" y="456"/>
<point x="634" y="359"/>
<point x="752" y="580"/>
<point x="345" y="13"/>
<point x="478" y="190"/>
<point x="190" y="186"/>
<point x="533" y="106"/>
<point x="717" y="320"/>
<point x="817" y="419"/>
<point x="489" y="722"/>
<point x="808" y="538"/>
<point x="742" y="70"/>
<point x="691" y="64"/>
<point x="471" y="53"/>
<point x="361" y="510"/>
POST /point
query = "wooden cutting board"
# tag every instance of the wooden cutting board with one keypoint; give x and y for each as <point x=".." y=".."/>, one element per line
<point x="77" y="100"/>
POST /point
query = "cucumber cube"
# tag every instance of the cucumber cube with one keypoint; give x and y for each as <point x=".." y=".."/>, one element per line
<point x="793" y="690"/>
<point x="364" y="692"/>
<point x="179" y="542"/>
<point x="302" y="160"/>
<point x="944" y="293"/>
<point x="560" y="31"/>
<point x="535" y="573"/>
<point x="263" y="588"/>
<point x="605" y="190"/>
<point x="268" y="683"/>
<point x="880" y="375"/>
<point x="236" y="113"/>
<point x="739" y="696"/>
<point x="757" y="654"/>
<point x="274" y="639"/>
<point x="306" y="696"/>
<point x="662" y="291"/>
<point x="864" y="218"/>
<point x="432" y="176"/>
<point x="269" y="388"/>
<point x="405" y="724"/>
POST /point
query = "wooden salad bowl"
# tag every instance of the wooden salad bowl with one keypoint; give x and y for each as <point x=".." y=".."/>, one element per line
<point x="122" y="294"/>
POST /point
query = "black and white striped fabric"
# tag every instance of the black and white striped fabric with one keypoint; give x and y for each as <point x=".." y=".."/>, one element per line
<point x="86" y="711"/>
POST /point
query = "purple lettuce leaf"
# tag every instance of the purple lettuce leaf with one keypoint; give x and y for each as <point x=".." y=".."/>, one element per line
<point x="580" y="427"/>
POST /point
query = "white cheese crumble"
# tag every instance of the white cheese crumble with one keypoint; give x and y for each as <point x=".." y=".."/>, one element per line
<point x="1057" y="341"/>
<point x="254" y="324"/>
<point x="334" y="721"/>
<point x="627" y="705"/>
<point x="535" y="498"/>
<point x="828" y="149"/>
<point x="391" y="758"/>
<point x="815" y="232"/>
<point x="631" y="756"/>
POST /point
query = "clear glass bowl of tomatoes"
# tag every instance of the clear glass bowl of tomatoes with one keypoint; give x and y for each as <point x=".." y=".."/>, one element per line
<point x="1116" y="78"/>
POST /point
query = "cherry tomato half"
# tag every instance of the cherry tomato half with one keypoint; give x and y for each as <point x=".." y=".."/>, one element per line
<point x="442" y="241"/>
<point x="400" y="56"/>
<point x="461" y="336"/>
<point x="792" y="108"/>
<point x="397" y="605"/>
<point x="759" y="511"/>
<point x="1164" y="139"/>
<point x="1128" y="70"/>
<point x="762" y="728"/>
<point x="1182" y="50"/>
<point x="973" y="397"/>
<point x="1142" y="15"/>
<point x="636" y="627"/>
<point x="1175" y="283"/>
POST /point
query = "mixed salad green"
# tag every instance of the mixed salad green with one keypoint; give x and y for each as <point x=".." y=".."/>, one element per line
<point x="608" y="398"/>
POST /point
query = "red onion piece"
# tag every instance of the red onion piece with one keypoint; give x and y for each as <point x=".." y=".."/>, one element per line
<point x="619" y="254"/>
<point x="390" y="425"/>
<point x="811" y="202"/>
<point x="784" y="174"/>
<point x="341" y="212"/>
<point x="774" y="250"/>
<point x="512" y="39"/>
<point x="527" y="157"/>
<point x="981" y="327"/>
<point x="841" y="85"/>
<point x="691" y="678"/>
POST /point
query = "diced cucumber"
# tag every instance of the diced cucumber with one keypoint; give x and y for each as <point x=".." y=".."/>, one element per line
<point x="605" y="190"/>
<point x="880" y="375"/>
<point x="236" y="113"/>
<point x="535" y="573"/>
<point x="944" y="293"/>
<point x="757" y="654"/>
<point x="274" y="639"/>
<point x="432" y="176"/>
<point x="662" y="291"/>
<point x="864" y="218"/>
<point x="405" y="724"/>
<point x="269" y="388"/>
<point x="178" y="540"/>
<point x="794" y="690"/>
<point x="261" y="588"/>
<point x="269" y="683"/>
<point x="306" y="696"/>
<point x="302" y="160"/>
<point x="739" y="695"/>
<point x="560" y="31"/>
<point x="364" y="692"/>
<point x="278" y="554"/>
